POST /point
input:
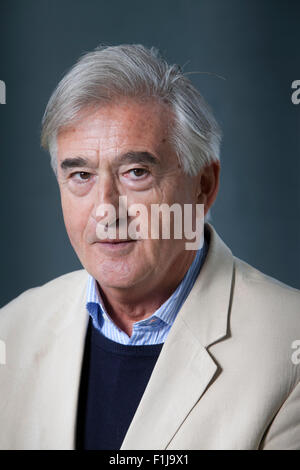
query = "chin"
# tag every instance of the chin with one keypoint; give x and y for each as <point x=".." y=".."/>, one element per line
<point x="118" y="275"/>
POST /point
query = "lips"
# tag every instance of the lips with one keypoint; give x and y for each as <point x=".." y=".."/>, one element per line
<point x="115" y="247"/>
<point x="114" y="242"/>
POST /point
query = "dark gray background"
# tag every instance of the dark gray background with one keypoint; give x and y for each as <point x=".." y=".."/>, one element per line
<point x="254" y="45"/>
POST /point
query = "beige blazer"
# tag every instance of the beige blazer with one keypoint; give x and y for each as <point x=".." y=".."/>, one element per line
<point x="225" y="378"/>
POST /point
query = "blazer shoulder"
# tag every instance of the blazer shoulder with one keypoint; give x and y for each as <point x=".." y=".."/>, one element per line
<point x="47" y="294"/>
<point x="254" y="276"/>
<point x="267" y="296"/>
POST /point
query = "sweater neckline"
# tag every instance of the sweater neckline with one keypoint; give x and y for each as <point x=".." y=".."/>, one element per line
<point x="106" y="344"/>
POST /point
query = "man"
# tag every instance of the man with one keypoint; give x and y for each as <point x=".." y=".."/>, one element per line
<point x="153" y="345"/>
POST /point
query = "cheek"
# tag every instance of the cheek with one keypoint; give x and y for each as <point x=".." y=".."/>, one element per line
<point x="75" y="218"/>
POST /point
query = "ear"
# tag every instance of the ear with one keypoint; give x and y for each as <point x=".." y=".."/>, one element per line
<point x="209" y="179"/>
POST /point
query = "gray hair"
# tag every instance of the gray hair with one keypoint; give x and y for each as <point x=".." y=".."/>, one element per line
<point x="133" y="71"/>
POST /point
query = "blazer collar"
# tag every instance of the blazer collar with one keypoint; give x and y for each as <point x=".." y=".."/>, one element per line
<point x="205" y="311"/>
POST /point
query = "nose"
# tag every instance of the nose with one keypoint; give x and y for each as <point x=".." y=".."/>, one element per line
<point x="106" y="200"/>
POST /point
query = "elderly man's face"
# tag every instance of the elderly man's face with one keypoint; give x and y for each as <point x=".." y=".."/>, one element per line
<point x="122" y="149"/>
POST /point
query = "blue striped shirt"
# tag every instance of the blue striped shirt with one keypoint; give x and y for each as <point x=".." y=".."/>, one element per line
<point x="154" y="329"/>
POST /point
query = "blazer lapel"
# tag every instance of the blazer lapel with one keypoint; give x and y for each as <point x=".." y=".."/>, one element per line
<point x="181" y="375"/>
<point x="185" y="368"/>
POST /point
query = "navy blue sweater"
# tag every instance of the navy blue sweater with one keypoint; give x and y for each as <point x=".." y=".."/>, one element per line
<point x="114" y="377"/>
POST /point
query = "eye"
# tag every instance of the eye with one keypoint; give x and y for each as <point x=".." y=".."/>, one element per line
<point x="81" y="176"/>
<point x="138" y="173"/>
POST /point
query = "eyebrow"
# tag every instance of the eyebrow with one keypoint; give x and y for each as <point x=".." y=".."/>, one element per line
<point x="136" y="157"/>
<point x="73" y="163"/>
<point x="128" y="157"/>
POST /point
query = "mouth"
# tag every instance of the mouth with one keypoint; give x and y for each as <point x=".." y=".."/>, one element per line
<point x="115" y="241"/>
<point x="116" y="245"/>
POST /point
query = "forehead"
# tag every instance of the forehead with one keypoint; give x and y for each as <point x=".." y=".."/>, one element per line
<point x="118" y="127"/>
